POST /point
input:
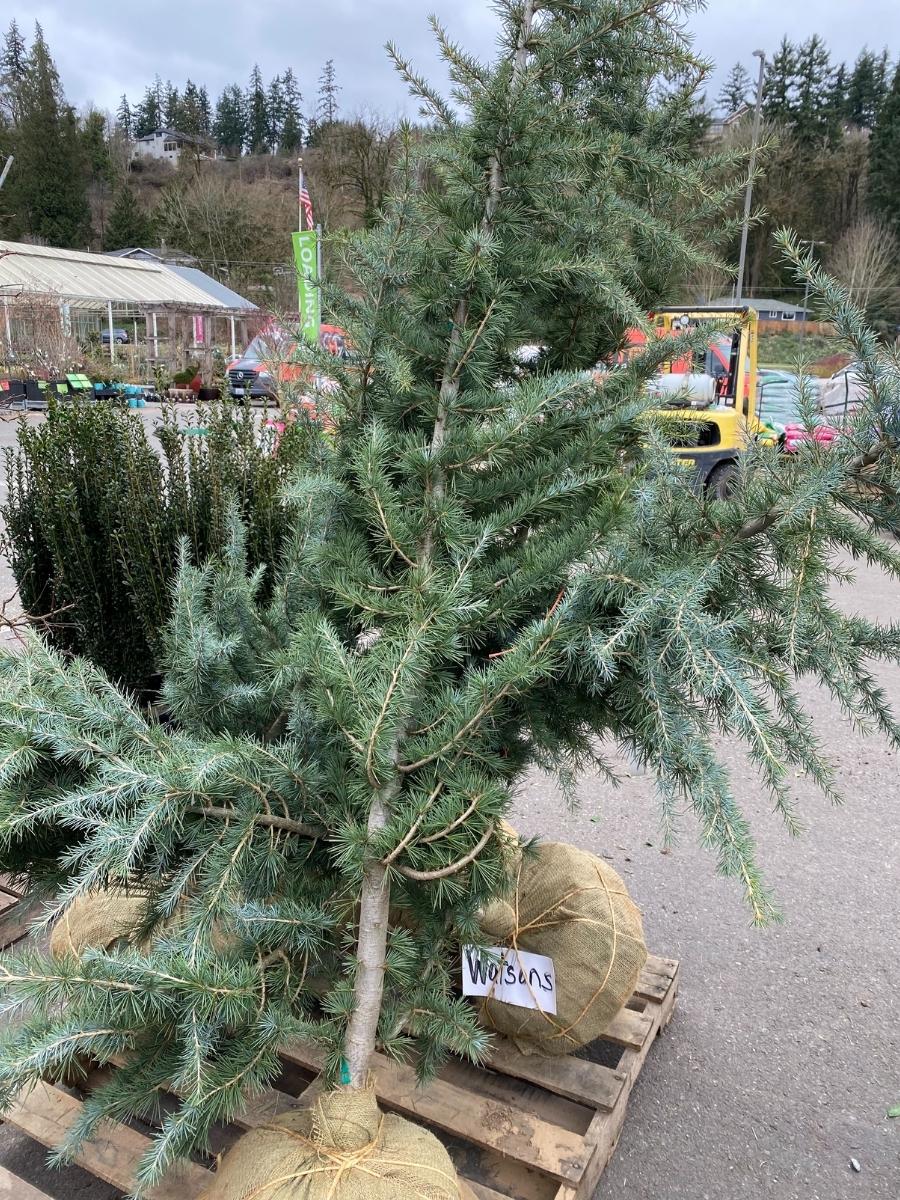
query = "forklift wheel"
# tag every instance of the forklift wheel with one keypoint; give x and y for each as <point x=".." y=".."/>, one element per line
<point x="722" y="480"/>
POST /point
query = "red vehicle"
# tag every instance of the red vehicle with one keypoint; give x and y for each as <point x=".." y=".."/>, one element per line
<point x="271" y="360"/>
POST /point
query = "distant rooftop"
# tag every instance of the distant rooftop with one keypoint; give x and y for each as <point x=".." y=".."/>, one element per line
<point x="87" y="280"/>
<point x="163" y="254"/>
<point x="206" y="283"/>
<point x="175" y="135"/>
<point x="761" y="304"/>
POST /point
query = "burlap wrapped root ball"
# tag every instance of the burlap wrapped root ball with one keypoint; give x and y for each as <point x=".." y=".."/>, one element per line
<point x="107" y="918"/>
<point x="98" y="921"/>
<point x="572" y="907"/>
<point x="342" y="1148"/>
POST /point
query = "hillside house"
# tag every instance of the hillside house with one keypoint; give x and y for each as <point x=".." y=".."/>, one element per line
<point x="169" y="144"/>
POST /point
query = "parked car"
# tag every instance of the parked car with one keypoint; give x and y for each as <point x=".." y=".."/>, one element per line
<point x="119" y="336"/>
<point x="842" y="394"/>
<point x="271" y="360"/>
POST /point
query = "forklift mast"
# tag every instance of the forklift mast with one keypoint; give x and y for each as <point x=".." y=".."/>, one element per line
<point x="737" y="377"/>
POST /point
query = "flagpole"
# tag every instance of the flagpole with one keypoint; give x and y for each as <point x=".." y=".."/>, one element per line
<point x="300" y="194"/>
<point x="319" y="270"/>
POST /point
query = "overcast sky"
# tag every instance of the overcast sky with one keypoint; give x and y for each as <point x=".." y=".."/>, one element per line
<point x="104" y="49"/>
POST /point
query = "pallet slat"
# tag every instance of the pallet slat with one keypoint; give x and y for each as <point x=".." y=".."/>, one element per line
<point x="46" y="1114"/>
<point x="605" y="1128"/>
<point x="485" y="1122"/>
<point x="14" y="1188"/>
<point x="481" y="1192"/>
<point x="656" y="978"/>
<point x="629" y="1028"/>
<point x="550" y="1139"/>
<point x="16" y="919"/>
<point x="586" y="1082"/>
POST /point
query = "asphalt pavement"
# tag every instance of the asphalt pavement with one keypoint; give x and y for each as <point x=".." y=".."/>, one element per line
<point x="783" y="1057"/>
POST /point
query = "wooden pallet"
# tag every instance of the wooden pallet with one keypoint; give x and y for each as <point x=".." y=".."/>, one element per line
<point x="521" y="1128"/>
<point x="16" y="915"/>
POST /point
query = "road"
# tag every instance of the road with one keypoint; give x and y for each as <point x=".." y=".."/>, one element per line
<point x="784" y="1053"/>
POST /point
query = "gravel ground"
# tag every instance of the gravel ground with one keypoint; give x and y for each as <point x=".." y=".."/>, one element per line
<point x="784" y="1052"/>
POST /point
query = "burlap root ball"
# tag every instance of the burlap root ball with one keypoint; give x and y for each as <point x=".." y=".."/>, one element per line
<point x="572" y="907"/>
<point x="342" y="1148"/>
<point x="98" y="921"/>
<point x="110" y="917"/>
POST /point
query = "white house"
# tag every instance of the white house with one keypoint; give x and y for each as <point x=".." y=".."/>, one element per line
<point x="719" y="126"/>
<point x="169" y="143"/>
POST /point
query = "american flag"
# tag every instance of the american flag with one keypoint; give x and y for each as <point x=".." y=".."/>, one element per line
<point x="306" y="212"/>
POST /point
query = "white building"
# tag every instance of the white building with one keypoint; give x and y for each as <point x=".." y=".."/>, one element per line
<point x="168" y="144"/>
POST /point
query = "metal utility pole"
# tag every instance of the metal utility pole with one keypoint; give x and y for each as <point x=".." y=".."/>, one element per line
<point x="748" y="195"/>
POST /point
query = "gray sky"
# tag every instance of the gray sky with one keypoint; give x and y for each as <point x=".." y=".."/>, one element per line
<point x="103" y="49"/>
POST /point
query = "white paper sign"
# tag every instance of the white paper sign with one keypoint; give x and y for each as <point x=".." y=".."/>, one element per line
<point x="511" y="976"/>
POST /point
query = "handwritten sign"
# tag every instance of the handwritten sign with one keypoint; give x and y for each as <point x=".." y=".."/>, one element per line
<point x="510" y="976"/>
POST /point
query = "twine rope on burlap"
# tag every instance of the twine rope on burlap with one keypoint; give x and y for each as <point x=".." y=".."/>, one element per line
<point x="343" y="1162"/>
<point x="539" y="922"/>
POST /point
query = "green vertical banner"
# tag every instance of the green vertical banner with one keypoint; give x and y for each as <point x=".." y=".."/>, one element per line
<point x="309" y="299"/>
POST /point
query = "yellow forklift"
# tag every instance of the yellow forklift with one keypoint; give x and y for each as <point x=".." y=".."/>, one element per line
<point x="715" y="392"/>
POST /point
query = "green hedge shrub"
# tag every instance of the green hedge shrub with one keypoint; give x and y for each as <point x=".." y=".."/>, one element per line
<point x="96" y="511"/>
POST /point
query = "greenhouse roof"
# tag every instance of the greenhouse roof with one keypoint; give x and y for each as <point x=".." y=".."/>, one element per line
<point x="85" y="280"/>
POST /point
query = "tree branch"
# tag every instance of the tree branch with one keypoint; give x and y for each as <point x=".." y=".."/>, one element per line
<point x="284" y="823"/>
<point x="758" y="525"/>
<point x="454" y="868"/>
<point x="401" y="846"/>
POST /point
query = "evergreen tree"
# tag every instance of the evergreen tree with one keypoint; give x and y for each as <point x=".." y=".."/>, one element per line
<point x="205" y="111"/>
<point x="189" y="118"/>
<point x="736" y="90"/>
<point x="884" y="158"/>
<point x="882" y="78"/>
<point x="291" y="139"/>
<point x="95" y="143"/>
<point x="230" y="123"/>
<point x="14" y="58"/>
<point x="148" y="114"/>
<point x="13" y="63"/>
<point x="327" y="107"/>
<point x="838" y="98"/>
<point x="51" y="169"/>
<point x="125" y="117"/>
<point x="128" y="224"/>
<point x="275" y="109"/>
<point x="257" y="111"/>
<point x="813" y="116"/>
<point x="865" y="90"/>
<point x="488" y="568"/>
<point x="171" y="106"/>
<point x="779" y="98"/>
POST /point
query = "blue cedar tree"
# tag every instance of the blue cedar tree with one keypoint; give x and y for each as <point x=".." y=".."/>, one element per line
<point x="488" y="568"/>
